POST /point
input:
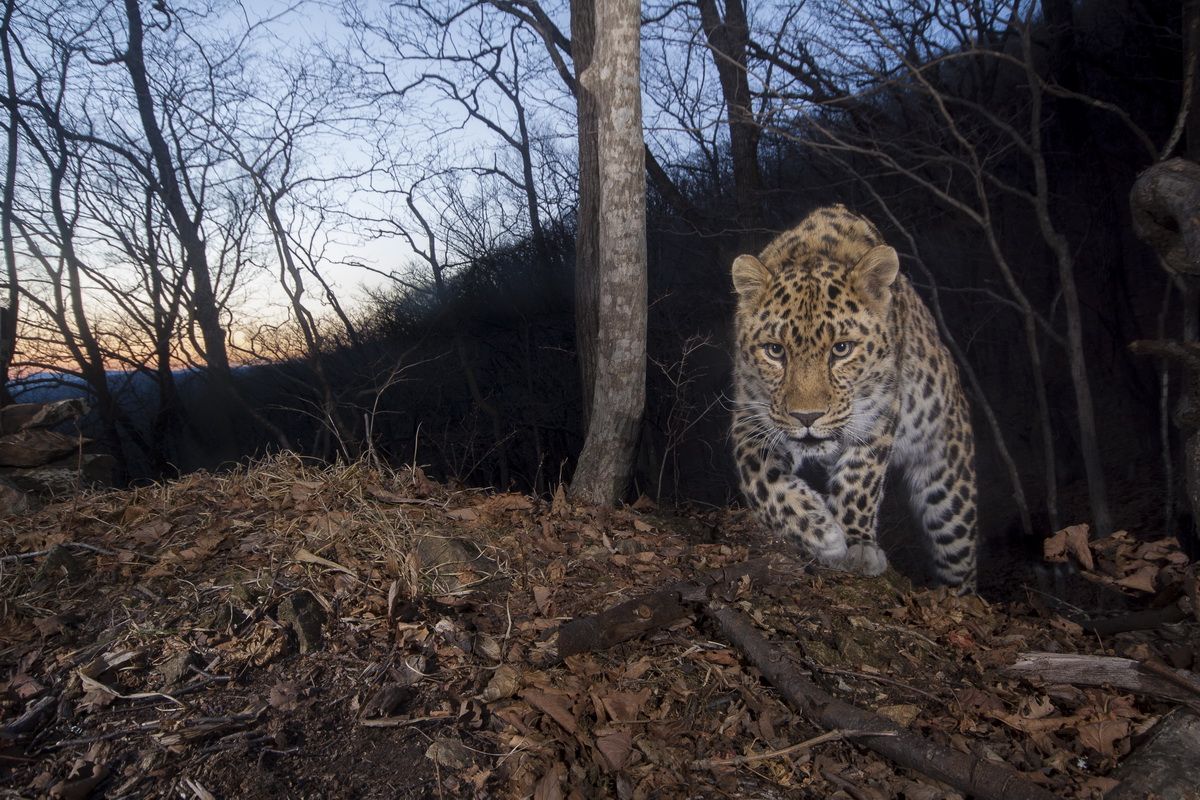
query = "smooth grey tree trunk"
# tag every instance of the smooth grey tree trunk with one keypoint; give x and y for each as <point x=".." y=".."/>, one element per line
<point x="619" y="391"/>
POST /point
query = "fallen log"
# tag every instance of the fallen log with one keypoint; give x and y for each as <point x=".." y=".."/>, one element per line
<point x="967" y="774"/>
<point x="1121" y="673"/>
<point x="1167" y="765"/>
<point x="1133" y="621"/>
<point x="652" y="611"/>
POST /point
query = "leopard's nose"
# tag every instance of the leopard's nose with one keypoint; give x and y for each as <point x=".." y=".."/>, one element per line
<point x="806" y="418"/>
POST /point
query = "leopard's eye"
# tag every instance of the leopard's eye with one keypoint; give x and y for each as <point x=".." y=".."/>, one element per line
<point x="842" y="349"/>
<point x="774" y="351"/>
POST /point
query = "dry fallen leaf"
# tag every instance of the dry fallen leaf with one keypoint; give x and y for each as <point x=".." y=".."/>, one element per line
<point x="625" y="706"/>
<point x="902" y="714"/>
<point x="1143" y="580"/>
<point x="555" y="704"/>
<point x="504" y="683"/>
<point x="615" y="748"/>
<point x="1103" y="735"/>
<point x="1071" y="540"/>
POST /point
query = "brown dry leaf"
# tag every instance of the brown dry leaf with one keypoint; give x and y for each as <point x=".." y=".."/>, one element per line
<point x="1037" y="707"/>
<point x="961" y="639"/>
<point x="541" y="598"/>
<point x="463" y="514"/>
<point x="312" y="558"/>
<point x="285" y="697"/>
<point x="133" y="513"/>
<point x="377" y="492"/>
<point x="615" y="749"/>
<point x="1103" y="735"/>
<point x="1143" y="580"/>
<point x="644" y="503"/>
<point x="510" y="501"/>
<point x="902" y="714"/>
<point x="151" y="532"/>
<point x="48" y="626"/>
<point x="504" y="683"/>
<point x="642" y="526"/>
<point x="723" y="656"/>
<point x="1036" y="725"/>
<point x="85" y="776"/>
<point x="1071" y="540"/>
<point x="302" y="490"/>
<point x="449" y="753"/>
<point x="555" y="704"/>
<point x="549" y="787"/>
<point x="637" y="669"/>
<point x="625" y="706"/>
<point x="24" y="687"/>
<point x="559" y="507"/>
<point x="1100" y="785"/>
<point x="979" y="700"/>
<point x="1077" y="545"/>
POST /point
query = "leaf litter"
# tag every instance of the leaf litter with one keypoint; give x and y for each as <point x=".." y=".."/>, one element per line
<point x="353" y="631"/>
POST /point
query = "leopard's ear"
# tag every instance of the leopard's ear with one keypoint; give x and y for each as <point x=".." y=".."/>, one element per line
<point x="750" y="276"/>
<point x="874" y="275"/>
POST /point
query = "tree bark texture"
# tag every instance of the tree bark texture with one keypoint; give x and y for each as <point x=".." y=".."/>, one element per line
<point x="728" y="38"/>
<point x="587" y="268"/>
<point x="1085" y="670"/>
<point x="1167" y="765"/>
<point x="1165" y="201"/>
<point x="619" y="390"/>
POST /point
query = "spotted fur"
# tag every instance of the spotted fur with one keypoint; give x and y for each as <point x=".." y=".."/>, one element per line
<point x="839" y="365"/>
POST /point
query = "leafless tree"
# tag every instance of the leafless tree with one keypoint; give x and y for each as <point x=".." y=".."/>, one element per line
<point x="619" y="396"/>
<point x="10" y="311"/>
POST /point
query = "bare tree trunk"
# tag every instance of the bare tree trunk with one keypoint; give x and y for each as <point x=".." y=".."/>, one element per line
<point x="1089" y="445"/>
<point x="620" y="386"/>
<point x="10" y="311"/>
<point x="587" y="254"/>
<point x="729" y="38"/>
<point x="204" y="301"/>
<point x="1191" y="49"/>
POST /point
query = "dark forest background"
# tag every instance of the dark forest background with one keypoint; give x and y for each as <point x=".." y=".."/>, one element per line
<point x="994" y="143"/>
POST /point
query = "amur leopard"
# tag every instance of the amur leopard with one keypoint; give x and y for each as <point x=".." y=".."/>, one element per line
<point x="840" y="372"/>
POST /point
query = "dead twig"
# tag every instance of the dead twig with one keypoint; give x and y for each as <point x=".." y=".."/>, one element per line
<point x="807" y="744"/>
<point x="402" y="722"/>
<point x="39" y="553"/>
<point x="849" y="673"/>
<point x="964" y="772"/>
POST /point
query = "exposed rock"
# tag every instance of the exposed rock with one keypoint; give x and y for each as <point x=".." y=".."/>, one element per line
<point x="303" y="614"/>
<point x="64" y="476"/>
<point x="33" y="448"/>
<point x="23" y="416"/>
<point x="175" y="670"/>
<point x="450" y="563"/>
<point x="12" y="499"/>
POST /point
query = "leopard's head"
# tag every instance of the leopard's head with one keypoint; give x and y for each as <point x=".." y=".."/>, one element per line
<point x="812" y="328"/>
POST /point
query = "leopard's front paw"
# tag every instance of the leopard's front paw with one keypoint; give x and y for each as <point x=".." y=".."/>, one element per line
<point x="818" y="536"/>
<point x="864" y="558"/>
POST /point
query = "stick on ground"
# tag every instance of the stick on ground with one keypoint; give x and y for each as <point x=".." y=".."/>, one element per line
<point x="969" y="775"/>
<point x="652" y="611"/>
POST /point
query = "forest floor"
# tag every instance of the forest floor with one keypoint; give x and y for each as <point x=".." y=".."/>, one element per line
<point x="294" y="631"/>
